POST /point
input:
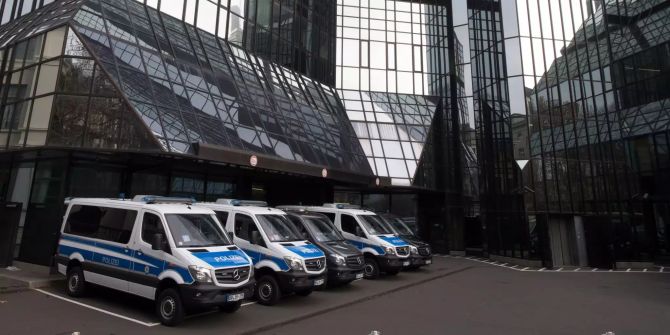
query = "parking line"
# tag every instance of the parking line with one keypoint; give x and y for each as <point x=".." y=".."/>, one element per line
<point x="248" y="303"/>
<point x="559" y="269"/>
<point x="661" y="270"/>
<point x="594" y="270"/>
<point x="628" y="270"/>
<point x="146" y="324"/>
<point x="577" y="269"/>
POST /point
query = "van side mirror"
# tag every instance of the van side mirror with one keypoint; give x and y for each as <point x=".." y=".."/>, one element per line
<point x="159" y="243"/>
<point x="256" y="238"/>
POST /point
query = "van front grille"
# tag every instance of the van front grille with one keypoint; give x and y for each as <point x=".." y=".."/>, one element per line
<point x="232" y="275"/>
<point x="355" y="262"/>
<point x="402" y="251"/>
<point x="424" y="251"/>
<point x="316" y="264"/>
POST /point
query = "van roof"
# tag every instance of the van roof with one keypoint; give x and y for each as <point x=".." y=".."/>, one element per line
<point x="245" y="209"/>
<point x="130" y="204"/>
<point x="353" y="211"/>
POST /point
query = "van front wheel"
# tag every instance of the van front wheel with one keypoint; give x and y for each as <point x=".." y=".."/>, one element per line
<point x="76" y="284"/>
<point x="169" y="308"/>
<point x="371" y="269"/>
<point x="267" y="291"/>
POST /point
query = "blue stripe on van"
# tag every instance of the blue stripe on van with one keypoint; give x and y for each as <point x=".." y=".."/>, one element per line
<point x="256" y="257"/>
<point x="158" y="265"/>
<point x="361" y="245"/>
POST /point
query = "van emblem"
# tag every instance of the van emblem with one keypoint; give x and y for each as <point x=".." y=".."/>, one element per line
<point x="318" y="263"/>
<point x="236" y="274"/>
<point x="359" y="260"/>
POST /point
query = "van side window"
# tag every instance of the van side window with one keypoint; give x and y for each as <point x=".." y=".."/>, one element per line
<point x="105" y="223"/>
<point x="349" y="224"/>
<point x="152" y="225"/>
<point x="244" y="226"/>
<point x="222" y="217"/>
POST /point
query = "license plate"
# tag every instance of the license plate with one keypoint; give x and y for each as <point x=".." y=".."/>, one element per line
<point x="429" y="261"/>
<point x="359" y="276"/>
<point x="235" y="297"/>
<point x="318" y="282"/>
<point x="405" y="263"/>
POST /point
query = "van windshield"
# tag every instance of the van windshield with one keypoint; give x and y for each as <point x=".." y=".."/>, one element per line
<point x="398" y="225"/>
<point x="196" y="230"/>
<point x="323" y="230"/>
<point x="277" y="228"/>
<point x="374" y="225"/>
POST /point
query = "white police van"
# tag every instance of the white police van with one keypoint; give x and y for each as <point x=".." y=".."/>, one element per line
<point x="383" y="251"/>
<point x="163" y="249"/>
<point x="285" y="262"/>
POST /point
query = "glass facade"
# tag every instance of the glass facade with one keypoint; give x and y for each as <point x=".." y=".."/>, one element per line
<point x="296" y="34"/>
<point x="195" y="88"/>
<point x="571" y="127"/>
<point x="14" y="9"/>
<point x="535" y="130"/>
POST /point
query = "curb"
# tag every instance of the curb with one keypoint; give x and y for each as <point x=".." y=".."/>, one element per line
<point x="349" y="303"/>
<point x="26" y="285"/>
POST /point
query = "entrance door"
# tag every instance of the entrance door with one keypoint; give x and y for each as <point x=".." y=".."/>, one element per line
<point x="562" y="238"/>
<point x="598" y="234"/>
<point x="10" y="215"/>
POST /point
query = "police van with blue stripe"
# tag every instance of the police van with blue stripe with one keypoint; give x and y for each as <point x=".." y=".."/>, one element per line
<point x="284" y="261"/>
<point x="383" y="251"/>
<point x="164" y="249"/>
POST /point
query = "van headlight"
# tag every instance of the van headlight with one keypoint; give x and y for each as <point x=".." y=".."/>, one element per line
<point x="413" y="250"/>
<point x="339" y="260"/>
<point x="294" y="263"/>
<point x="389" y="250"/>
<point x="200" y="274"/>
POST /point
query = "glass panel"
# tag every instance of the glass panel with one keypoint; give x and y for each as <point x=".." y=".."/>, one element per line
<point x="53" y="46"/>
<point x="76" y="75"/>
<point x="39" y="121"/>
<point x="66" y="127"/>
<point x="48" y="76"/>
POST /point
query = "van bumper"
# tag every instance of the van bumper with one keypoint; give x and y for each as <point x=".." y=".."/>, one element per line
<point x="418" y="261"/>
<point x="393" y="263"/>
<point x="344" y="274"/>
<point x="299" y="281"/>
<point x="208" y="295"/>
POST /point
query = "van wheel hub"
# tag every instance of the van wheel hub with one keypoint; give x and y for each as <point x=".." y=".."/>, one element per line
<point x="74" y="282"/>
<point x="265" y="291"/>
<point x="369" y="269"/>
<point x="168" y="307"/>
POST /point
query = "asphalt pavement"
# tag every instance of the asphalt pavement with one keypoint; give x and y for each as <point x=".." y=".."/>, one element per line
<point x="454" y="296"/>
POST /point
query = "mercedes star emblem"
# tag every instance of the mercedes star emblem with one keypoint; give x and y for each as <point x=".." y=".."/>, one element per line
<point x="236" y="274"/>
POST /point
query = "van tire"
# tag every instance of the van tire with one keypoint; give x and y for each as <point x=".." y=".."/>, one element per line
<point x="169" y="308"/>
<point x="371" y="268"/>
<point x="230" y="308"/>
<point x="76" y="283"/>
<point x="304" y="293"/>
<point x="267" y="290"/>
